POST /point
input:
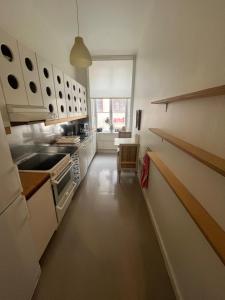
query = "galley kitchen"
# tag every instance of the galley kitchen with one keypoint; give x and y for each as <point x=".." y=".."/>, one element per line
<point x="112" y="150"/>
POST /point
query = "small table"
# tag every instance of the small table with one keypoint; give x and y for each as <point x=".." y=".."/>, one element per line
<point x="119" y="141"/>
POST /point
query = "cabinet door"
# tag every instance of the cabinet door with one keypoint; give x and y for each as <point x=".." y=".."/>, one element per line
<point x="83" y="161"/>
<point x="11" y="72"/>
<point x="90" y="150"/>
<point x="9" y="177"/>
<point x="68" y="93"/>
<point x="79" y="96"/>
<point x="84" y="101"/>
<point x="3" y="109"/>
<point x="60" y="92"/>
<point x="30" y="73"/>
<point x="20" y="269"/>
<point x="94" y="141"/>
<point x="47" y="87"/>
<point x="74" y="97"/>
<point x="42" y="217"/>
<point x="77" y="100"/>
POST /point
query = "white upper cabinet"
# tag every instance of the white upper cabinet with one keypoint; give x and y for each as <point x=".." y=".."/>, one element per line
<point x="77" y="100"/>
<point x="47" y="87"/>
<point x="74" y="97"/>
<point x="30" y="74"/>
<point x="68" y="93"/>
<point x="11" y="72"/>
<point x="79" y="96"/>
<point x="84" y="100"/>
<point x="3" y="109"/>
<point x="60" y="92"/>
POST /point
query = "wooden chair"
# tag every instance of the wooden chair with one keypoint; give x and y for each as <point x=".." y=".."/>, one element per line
<point x="124" y="134"/>
<point x="127" y="158"/>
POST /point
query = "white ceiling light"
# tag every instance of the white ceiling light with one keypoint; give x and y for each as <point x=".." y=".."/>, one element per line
<point x="79" y="55"/>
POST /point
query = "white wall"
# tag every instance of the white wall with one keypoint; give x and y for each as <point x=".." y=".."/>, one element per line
<point x="25" y="21"/>
<point x="183" y="50"/>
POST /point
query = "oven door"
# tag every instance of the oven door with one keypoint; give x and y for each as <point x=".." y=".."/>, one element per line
<point x="62" y="183"/>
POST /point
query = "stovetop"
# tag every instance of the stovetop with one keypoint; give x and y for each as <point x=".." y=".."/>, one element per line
<point x="41" y="162"/>
<point x="57" y="149"/>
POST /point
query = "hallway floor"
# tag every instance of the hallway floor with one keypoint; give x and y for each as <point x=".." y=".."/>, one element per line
<point x="105" y="247"/>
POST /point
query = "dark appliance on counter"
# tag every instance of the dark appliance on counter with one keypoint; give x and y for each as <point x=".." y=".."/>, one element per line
<point x="70" y="129"/>
<point x="83" y="129"/>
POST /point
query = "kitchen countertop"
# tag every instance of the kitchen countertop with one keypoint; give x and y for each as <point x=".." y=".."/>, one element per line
<point x="32" y="181"/>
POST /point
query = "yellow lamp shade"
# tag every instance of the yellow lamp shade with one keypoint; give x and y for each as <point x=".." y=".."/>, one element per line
<point x="79" y="54"/>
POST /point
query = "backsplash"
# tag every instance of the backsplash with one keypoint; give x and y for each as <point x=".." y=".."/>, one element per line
<point x="33" y="134"/>
<point x="23" y="138"/>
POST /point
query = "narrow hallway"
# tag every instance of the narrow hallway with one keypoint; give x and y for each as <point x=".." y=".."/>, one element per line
<point x="105" y="247"/>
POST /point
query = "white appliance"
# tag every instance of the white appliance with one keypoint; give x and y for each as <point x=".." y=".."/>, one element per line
<point x="27" y="113"/>
<point x="19" y="267"/>
<point x="59" y="166"/>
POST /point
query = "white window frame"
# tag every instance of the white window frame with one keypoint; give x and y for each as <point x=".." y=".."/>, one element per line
<point x="118" y="57"/>
<point x="110" y="110"/>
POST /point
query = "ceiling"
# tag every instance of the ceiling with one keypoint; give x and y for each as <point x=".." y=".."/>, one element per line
<point x="49" y="26"/>
<point x="109" y="27"/>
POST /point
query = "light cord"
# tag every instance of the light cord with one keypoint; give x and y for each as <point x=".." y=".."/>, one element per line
<point x="78" y="26"/>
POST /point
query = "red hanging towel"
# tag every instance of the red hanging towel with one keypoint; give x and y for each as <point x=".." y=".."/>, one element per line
<point x="145" y="171"/>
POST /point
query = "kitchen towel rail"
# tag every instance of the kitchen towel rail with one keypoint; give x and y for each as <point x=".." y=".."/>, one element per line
<point x="211" y="160"/>
<point x="208" y="226"/>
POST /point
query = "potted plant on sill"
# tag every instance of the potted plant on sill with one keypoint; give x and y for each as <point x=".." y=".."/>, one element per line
<point x="107" y="121"/>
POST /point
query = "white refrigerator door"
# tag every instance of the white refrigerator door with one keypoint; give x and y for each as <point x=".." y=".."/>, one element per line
<point x="19" y="267"/>
<point x="9" y="176"/>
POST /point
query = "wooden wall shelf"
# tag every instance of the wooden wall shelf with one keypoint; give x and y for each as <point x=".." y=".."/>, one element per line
<point x="63" y="120"/>
<point x="214" y="91"/>
<point x="211" y="160"/>
<point x="208" y="226"/>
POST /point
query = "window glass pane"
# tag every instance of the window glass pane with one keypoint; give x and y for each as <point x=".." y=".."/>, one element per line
<point x="119" y="105"/>
<point x="119" y="113"/>
<point x="119" y="120"/>
<point x="103" y="105"/>
<point x="101" y="118"/>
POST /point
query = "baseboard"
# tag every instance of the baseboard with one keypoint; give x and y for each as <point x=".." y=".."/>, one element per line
<point x="163" y="250"/>
<point x="106" y="151"/>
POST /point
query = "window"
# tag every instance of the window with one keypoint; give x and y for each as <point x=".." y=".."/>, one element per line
<point x="102" y="113"/>
<point x="111" y="113"/>
<point x="111" y="92"/>
<point x="119" y="108"/>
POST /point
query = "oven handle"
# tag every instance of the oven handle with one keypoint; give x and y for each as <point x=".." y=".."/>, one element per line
<point x="67" y="170"/>
<point x="68" y="197"/>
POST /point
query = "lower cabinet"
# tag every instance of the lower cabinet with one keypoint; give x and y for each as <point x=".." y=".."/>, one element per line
<point x="83" y="160"/>
<point x="105" y="141"/>
<point x="43" y="220"/>
<point x="86" y="153"/>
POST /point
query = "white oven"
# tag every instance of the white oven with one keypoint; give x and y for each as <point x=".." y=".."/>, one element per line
<point x="60" y="168"/>
<point x="63" y="189"/>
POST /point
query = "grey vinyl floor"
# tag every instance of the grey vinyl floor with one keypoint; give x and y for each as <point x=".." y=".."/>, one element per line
<point x="105" y="247"/>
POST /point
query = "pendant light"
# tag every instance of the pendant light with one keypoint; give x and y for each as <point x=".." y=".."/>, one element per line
<point x="79" y="55"/>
